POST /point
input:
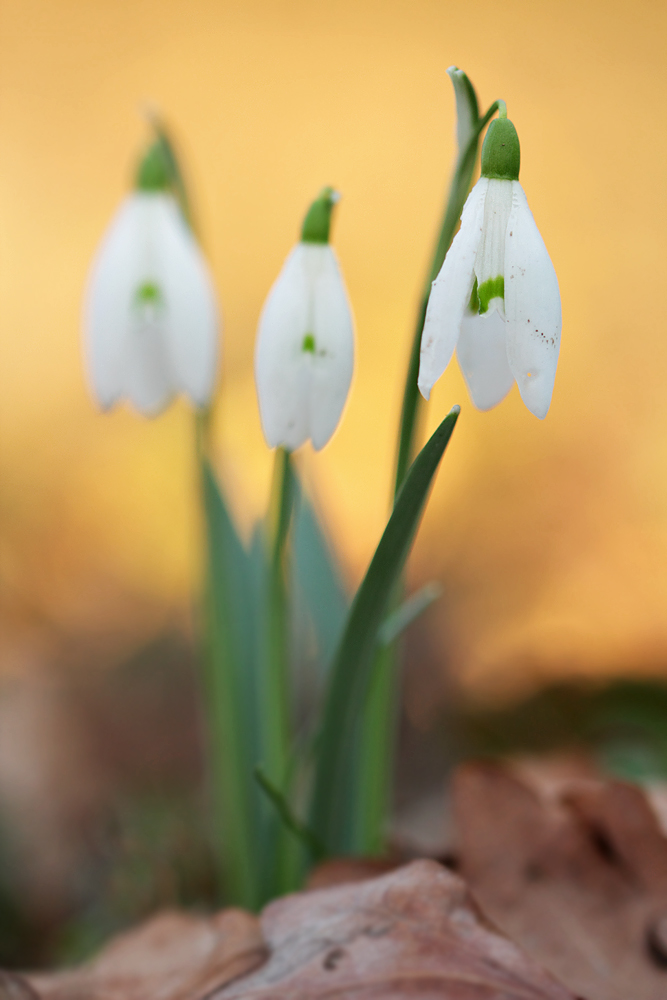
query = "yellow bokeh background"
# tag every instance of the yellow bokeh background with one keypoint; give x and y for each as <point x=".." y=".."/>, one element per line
<point x="550" y="537"/>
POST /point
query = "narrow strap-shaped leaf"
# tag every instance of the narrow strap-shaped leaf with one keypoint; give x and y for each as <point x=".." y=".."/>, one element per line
<point x="319" y="593"/>
<point x="302" y="832"/>
<point x="352" y="666"/>
<point x="229" y="624"/>
<point x="408" y="612"/>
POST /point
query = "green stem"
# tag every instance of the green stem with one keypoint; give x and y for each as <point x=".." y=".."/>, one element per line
<point x="275" y="686"/>
<point x="276" y="682"/>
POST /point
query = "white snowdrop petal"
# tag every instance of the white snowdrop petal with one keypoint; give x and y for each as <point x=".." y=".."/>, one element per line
<point x="532" y="307"/>
<point x="281" y="366"/>
<point x="490" y="257"/>
<point x="482" y="356"/>
<point x="450" y="293"/>
<point x="190" y="319"/>
<point x="108" y="297"/>
<point x="148" y="380"/>
<point x="332" y="360"/>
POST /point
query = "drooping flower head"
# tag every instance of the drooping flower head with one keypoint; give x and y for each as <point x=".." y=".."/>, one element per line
<point x="150" y="317"/>
<point x="496" y="299"/>
<point x="304" y="354"/>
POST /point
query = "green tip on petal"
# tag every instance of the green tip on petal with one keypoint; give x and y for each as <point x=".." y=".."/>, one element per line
<point x="501" y="153"/>
<point x="492" y="288"/>
<point x="317" y="223"/>
<point x="154" y="173"/>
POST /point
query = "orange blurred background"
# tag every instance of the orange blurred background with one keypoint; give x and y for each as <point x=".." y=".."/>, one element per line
<point x="551" y="538"/>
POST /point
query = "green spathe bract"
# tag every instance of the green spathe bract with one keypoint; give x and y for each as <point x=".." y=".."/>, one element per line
<point x="155" y="172"/>
<point x="501" y="153"/>
<point x="317" y="223"/>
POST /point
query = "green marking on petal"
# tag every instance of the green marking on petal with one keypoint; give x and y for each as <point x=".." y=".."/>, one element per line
<point x="308" y="344"/>
<point x="492" y="288"/>
<point x="473" y="305"/>
<point x="148" y="294"/>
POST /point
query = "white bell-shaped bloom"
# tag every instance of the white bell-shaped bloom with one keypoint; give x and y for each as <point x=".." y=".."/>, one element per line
<point x="496" y="299"/>
<point x="150" y="315"/>
<point x="304" y="355"/>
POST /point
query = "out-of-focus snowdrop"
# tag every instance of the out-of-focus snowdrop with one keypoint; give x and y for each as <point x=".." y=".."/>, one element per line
<point x="304" y="354"/>
<point x="496" y="299"/>
<point x="150" y="317"/>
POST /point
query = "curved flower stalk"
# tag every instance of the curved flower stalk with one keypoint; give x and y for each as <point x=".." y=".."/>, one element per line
<point x="304" y="355"/>
<point x="150" y="315"/>
<point x="496" y="299"/>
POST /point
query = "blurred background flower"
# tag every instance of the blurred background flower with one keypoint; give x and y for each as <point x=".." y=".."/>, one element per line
<point x="550" y="538"/>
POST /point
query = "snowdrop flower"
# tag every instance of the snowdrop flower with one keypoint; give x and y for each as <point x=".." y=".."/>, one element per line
<point x="304" y="354"/>
<point x="496" y="299"/>
<point x="150" y="317"/>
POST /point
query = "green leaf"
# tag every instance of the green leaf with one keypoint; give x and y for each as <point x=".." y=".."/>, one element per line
<point x="302" y="832"/>
<point x="408" y="612"/>
<point x="467" y="107"/>
<point x="352" y="667"/>
<point x="230" y="628"/>
<point x="370" y="770"/>
<point x="320" y="598"/>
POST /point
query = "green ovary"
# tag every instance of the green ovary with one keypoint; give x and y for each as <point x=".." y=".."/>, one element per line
<point x="308" y="344"/>
<point x="492" y="288"/>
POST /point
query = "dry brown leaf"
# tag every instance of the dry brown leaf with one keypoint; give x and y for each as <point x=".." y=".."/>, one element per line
<point x="175" y="956"/>
<point x="411" y="933"/>
<point x="14" y="987"/>
<point x="575" y="872"/>
<point x="339" y="871"/>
